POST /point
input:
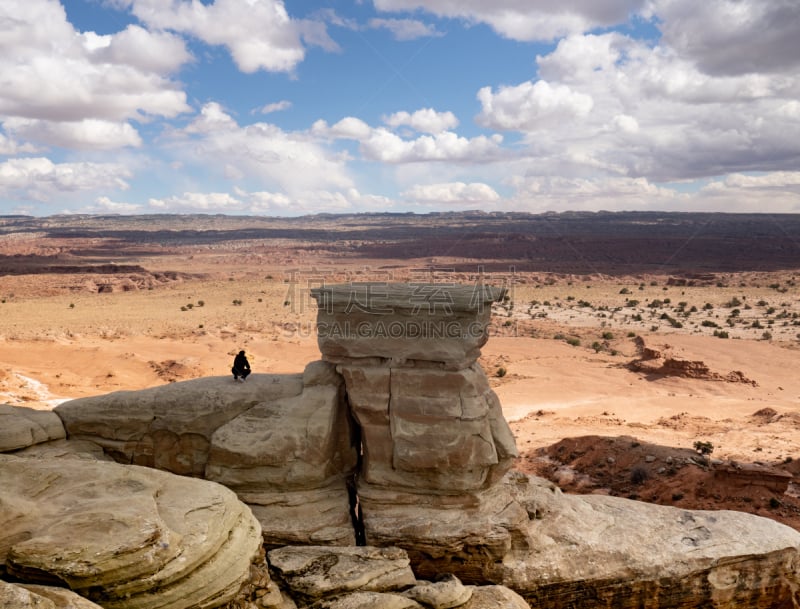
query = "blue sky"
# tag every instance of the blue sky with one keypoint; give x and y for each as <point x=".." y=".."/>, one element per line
<point x="273" y="108"/>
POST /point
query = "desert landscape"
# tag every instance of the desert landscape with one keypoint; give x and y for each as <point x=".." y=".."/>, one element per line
<point x="650" y="356"/>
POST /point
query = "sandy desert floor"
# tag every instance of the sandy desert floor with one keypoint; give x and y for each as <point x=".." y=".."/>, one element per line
<point x="558" y="359"/>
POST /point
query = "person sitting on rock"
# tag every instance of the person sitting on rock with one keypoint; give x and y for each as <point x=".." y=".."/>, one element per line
<point x="241" y="367"/>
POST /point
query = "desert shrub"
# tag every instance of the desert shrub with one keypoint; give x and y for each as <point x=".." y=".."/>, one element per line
<point x="624" y="291"/>
<point x="766" y="336"/>
<point x="774" y="503"/>
<point x="71" y="305"/>
<point x="721" y="333"/>
<point x="501" y="372"/>
<point x="608" y="335"/>
<point x="632" y="302"/>
<point x="709" y="324"/>
<point x="237" y="302"/>
<point x="189" y="306"/>
<point x="704" y="448"/>
<point x="184" y="309"/>
<point x="655" y="304"/>
<point x="708" y="306"/>
<point x="631" y="334"/>
<point x="733" y="302"/>
<point x="597" y="346"/>
<point x="574" y="341"/>
<point x="201" y="303"/>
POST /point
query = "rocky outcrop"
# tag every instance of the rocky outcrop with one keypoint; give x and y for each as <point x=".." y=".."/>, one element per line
<point x="375" y="578"/>
<point x="170" y="427"/>
<point x="290" y="459"/>
<point x="21" y="427"/>
<point x="398" y="429"/>
<point x="664" y="362"/>
<point x="124" y="537"/>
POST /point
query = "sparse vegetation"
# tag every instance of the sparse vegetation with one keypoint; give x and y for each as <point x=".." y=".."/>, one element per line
<point x="704" y="448"/>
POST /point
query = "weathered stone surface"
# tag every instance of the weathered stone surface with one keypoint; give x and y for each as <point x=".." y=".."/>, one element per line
<point x="170" y="427"/>
<point x="495" y="597"/>
<point x="124" y="536"/>
<point x="21" y="427"/>
<point x="312" y="573"/>
<point x="428" y="429"/>
<point x="368" y="600"/>
<point x="446" y="324"/>
<point x="60" y="597"/>
<point x="446" y="593"/>
<point x="598" y="551"/>
<point x="65" y="449"/>
<point x="290" y="459"/>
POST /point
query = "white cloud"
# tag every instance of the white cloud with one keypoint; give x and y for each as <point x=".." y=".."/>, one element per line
<point x="52" y="73"/>
<point x="275" y="107"/>
<point x="39" y="179"/>
<point x="259" y="35"/>
<point x="387" y="147"/>
<point x="382" y="145"/>
<point x="104" y="205"/>
<point x="405" y="29"/>
<point x="452" y="192"/>
<point x="261" y="152"/>
<point x="241" y="201"/>
<point x="87" y="134"/>
<point x="426" y="120"/>
<point x="530" y="106"/>
<point x="149" y="52"/>
<point x="526" y="20"/>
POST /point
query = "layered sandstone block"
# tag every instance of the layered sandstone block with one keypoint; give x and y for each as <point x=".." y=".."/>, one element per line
<point x="441" y="323"/>
<point x="290" y="459"/>
<point x="124" y="537"/>
<point x="283" y="443"/>
<point x="428" y="419"/>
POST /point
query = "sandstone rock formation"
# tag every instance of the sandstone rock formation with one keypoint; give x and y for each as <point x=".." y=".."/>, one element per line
<point x="290" y="459"/>
<point x="398" y="430"/>
<point x="32" y="596"/>
<point x="125" y="537"/>
<point x="21" y="427"/>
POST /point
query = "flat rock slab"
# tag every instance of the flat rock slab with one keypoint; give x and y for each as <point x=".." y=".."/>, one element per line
<point x="313" y="573"/>
<point x="125" y="537"/>
<point x="21" y="427"/>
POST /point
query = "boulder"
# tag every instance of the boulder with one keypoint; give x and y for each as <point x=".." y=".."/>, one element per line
<point x="21" y="427"/>
<point x="170" y="427"/>
<point x="125" y="537"/>
<point x="442" y="323"/>
<point x="494" y="597"/>
<point x="30" y="596"/>
<point x="446" y="593"/>
<point x="368" y="600"/>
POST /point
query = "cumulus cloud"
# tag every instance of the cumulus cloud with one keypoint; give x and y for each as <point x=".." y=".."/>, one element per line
<point x="531" y="105"/>
<point x="259" y="35"/>
<point x="53" y="74"/>
<point x="611" y="105"/>
<point x="260" y="152"/>
<point x="426" y="120"/>
<point x="383" y="145"/>
<point x="525" y="20"/>
<point x="87" y="134"/>
<point x="728" y="37"/>
<point x="405" y="29"/>
<point x="452" y="192"/>
<point x="39" y="179"/>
